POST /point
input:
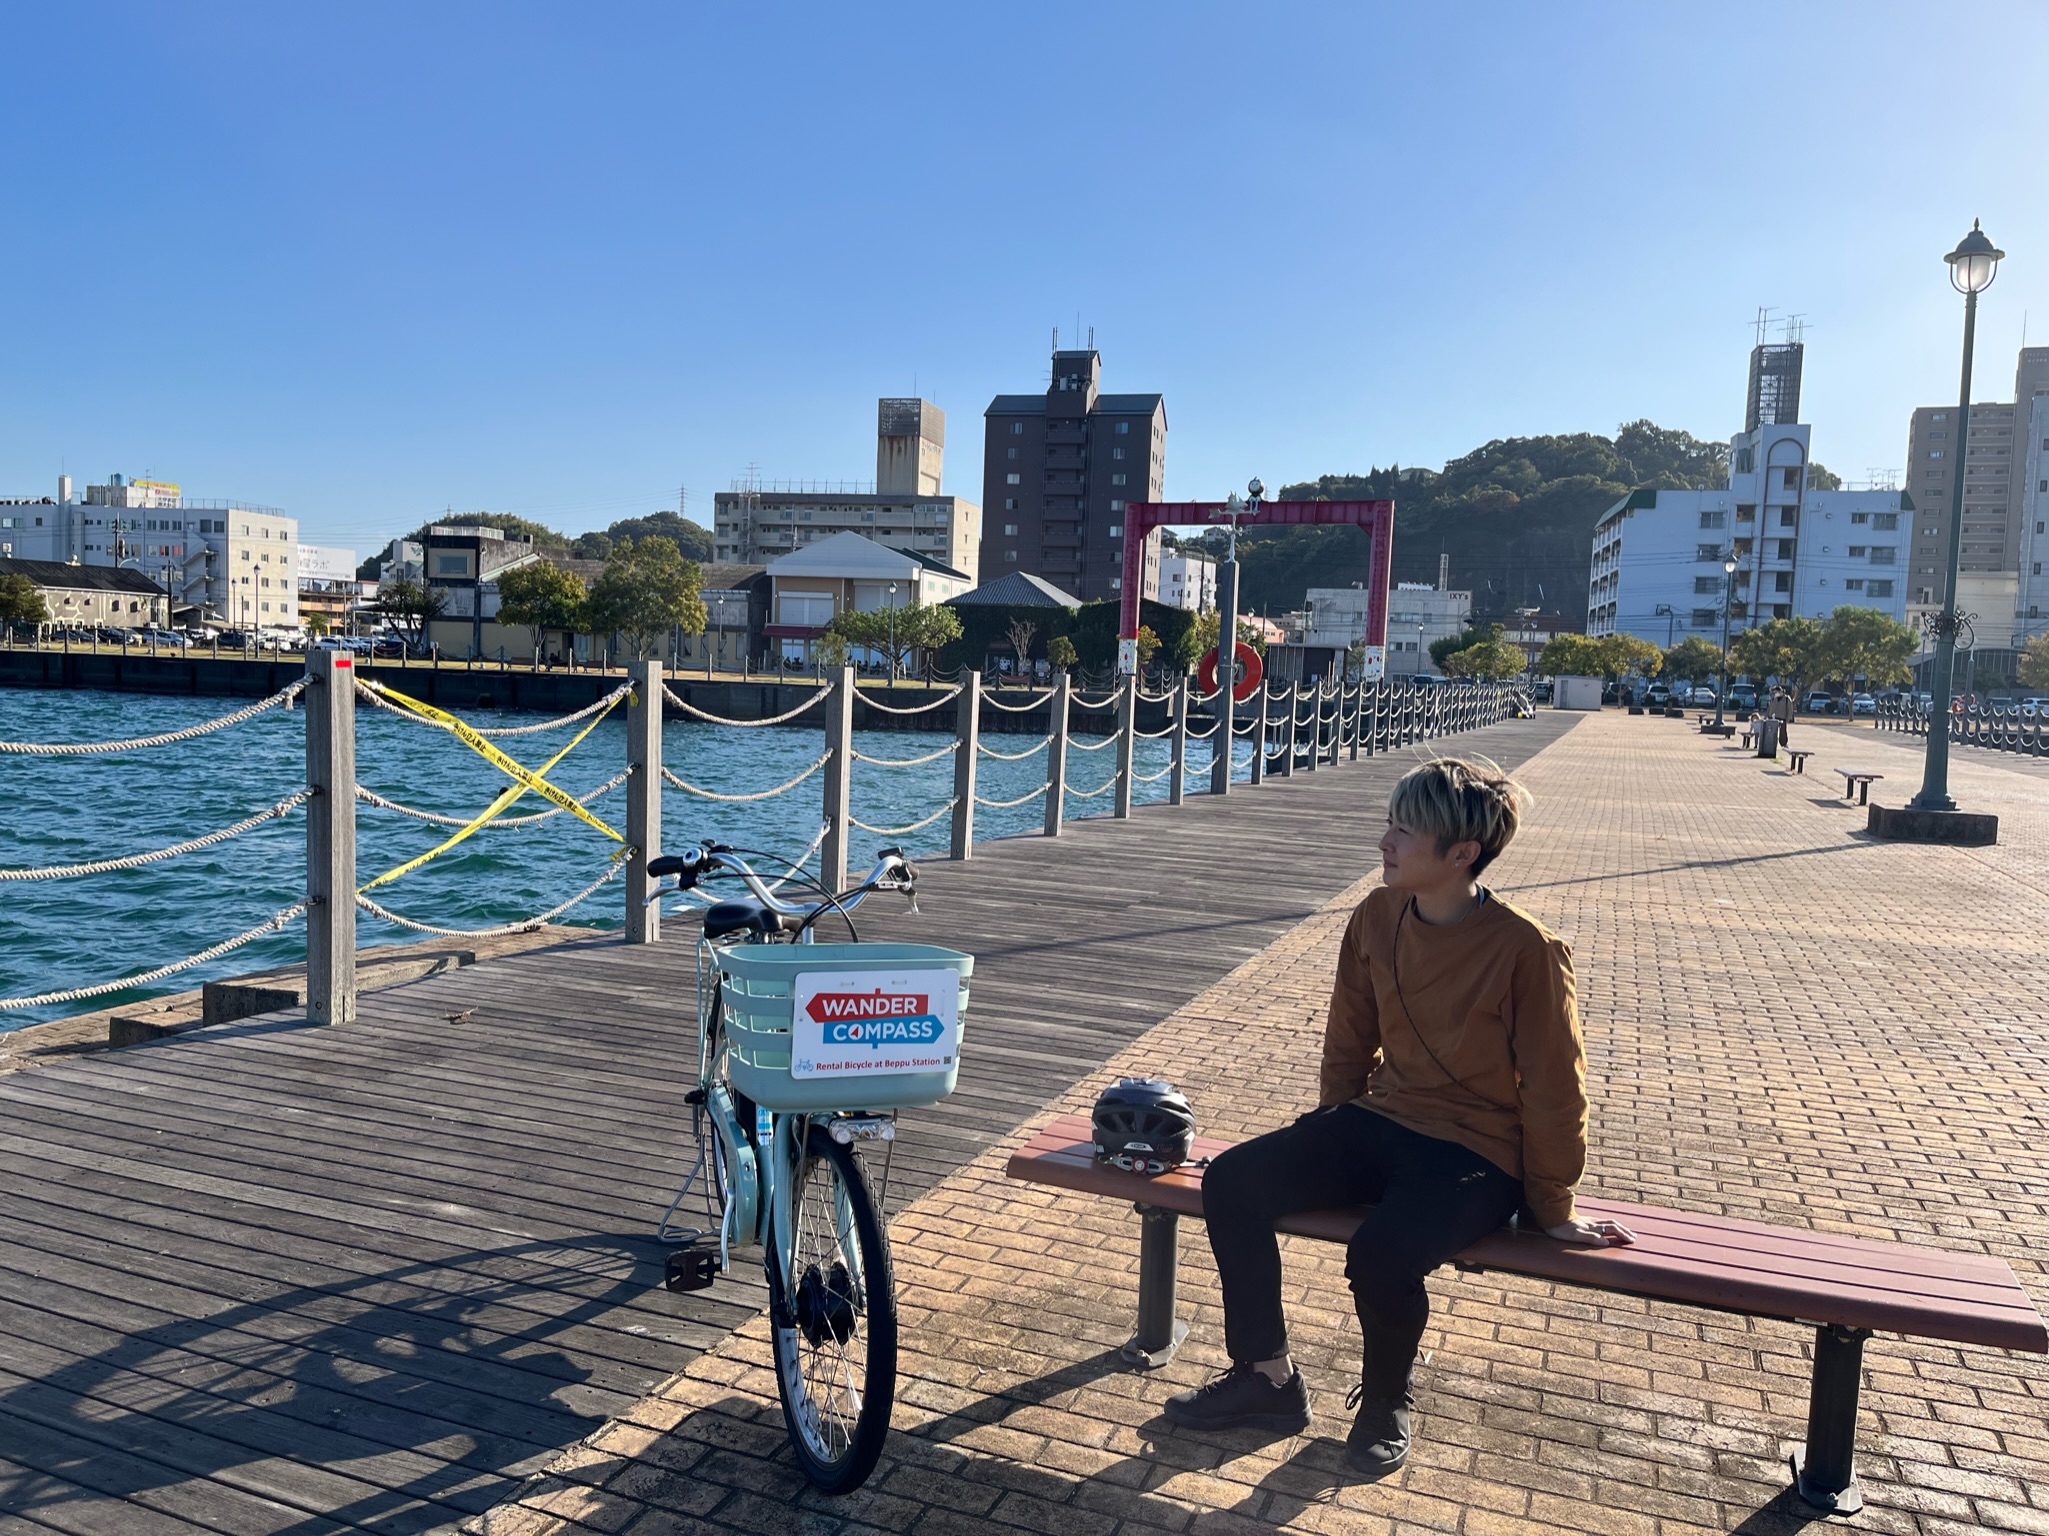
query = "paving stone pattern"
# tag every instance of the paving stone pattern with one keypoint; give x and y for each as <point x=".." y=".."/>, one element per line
<point x="1786" y="1021"/>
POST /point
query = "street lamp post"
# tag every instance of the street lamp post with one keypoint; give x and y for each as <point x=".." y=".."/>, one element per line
<point x="1972" y="266"/>
<point x="892" y="634"/>
<point x="1728" y="602"/>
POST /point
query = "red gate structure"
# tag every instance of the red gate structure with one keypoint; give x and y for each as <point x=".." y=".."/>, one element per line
<point x="1376" y="518"/>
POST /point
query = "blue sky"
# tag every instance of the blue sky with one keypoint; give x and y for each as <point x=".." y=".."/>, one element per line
<point x="366" y="262"/>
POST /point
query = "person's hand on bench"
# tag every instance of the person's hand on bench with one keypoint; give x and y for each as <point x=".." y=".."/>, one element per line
<point x="1591" y="1234"/>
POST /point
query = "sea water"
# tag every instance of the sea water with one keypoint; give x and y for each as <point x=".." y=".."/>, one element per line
<point x="76" y="932"/>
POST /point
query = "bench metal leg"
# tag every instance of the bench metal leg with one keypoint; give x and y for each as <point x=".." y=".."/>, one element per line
<point x="1160" y="1332"/>
<point x="1827" y="1477"/>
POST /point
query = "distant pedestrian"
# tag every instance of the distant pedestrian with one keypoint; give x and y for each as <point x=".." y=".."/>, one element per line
<point x="1453" y="1092"/>
<point x="1783" y="708"/>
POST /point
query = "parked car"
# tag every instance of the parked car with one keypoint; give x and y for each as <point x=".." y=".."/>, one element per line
<point x="2033" y="708"/>
<point x="237" y="638"/>
<point x="1821" y="702"/>
<point x="1863" y="704"/>
<point x="1682" y="692"/>
<point x="1703" y="694"/>
<point x="1658" y="695"/>
<point x="1743" y="695"/>
<point x="1540" y="690"/>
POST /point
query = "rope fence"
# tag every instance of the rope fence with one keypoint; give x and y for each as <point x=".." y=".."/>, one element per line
<point x="1005" y="805"/>
<point x="374" y="692"/>
<point x="214" y="952"/>
<point x="371" y="797"/>
<point x="137" y="860"/>
<point x="1016" y="757"/>
<point x="284" y="695"/>
<point x="787" y="715"/>
<point x="767" y="794"/>
<point x="906" y="762"/>
<point x="1032" y="703"/>
<point x="916" y="826"/>
<point x="524" y="925"/>
<point x="912" y="709"/>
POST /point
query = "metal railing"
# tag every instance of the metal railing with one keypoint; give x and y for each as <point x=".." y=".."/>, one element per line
<point x="1998" y="728"/>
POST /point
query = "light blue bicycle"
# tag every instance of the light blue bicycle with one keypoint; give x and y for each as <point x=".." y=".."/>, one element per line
<point x="805" y="1052"/>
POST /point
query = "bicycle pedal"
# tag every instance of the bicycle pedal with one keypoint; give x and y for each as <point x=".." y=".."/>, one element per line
<point x="691" y="1269"/>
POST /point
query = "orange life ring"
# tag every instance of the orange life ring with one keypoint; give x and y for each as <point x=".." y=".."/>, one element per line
<point x="1248" y="682"/>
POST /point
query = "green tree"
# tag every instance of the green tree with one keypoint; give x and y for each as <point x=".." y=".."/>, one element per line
<point x="1790" y="650"/>
<point x="1488" y="658"/>
<point x="542" y="535"/>
<point x="1624" y="654"/>
<point x="692" y="540"/>
<point x="1148" y="645"/>
<point x="646" y="591"/>
<point x="2033" y="669"/>
<point x="831" y="651"/>
<point x="409" y="607"/>
<point x="1693" y="659"/>
<point x="1820" y="479"/>
<point x="1571" y="656"/>
<point x="1865" y="643"/>
<point x="897" y="632"/>
<point x="316" y="624"/>
<point x="21" y="602"/>
<point x="1451" y="645"/>
<point x="1203" y="634"/>
<point x="1060" y="653"/>
<point x="541" y="596"/>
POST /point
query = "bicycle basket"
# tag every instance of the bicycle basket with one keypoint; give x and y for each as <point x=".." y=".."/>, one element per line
<point x="844" y="1026"/>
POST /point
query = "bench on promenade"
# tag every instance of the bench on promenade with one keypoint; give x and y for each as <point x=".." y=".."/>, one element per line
<point x="1844" y="1287"/>
<point x="1799" y="758"/>
<point x="1858" y="781"/>
<point x="1709" y="728"/>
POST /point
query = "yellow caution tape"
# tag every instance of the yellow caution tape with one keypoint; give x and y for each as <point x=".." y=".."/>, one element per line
<point x="526" y="778"/>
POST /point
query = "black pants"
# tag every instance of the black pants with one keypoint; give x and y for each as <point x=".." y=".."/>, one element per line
<point x="1430" y="1199"/>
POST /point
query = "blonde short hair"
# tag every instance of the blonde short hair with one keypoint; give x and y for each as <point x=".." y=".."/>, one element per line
<point x="1456" y="801"/>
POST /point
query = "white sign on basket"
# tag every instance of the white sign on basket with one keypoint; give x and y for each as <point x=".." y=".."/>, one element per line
<point x="1373" y="665"/>
<point x="874" y="1023"/>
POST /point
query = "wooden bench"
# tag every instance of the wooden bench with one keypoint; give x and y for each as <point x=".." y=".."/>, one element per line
<point x="1859" y="780"/>
<point x="1844" y="1287"/>
<point x="1799" y="758"/>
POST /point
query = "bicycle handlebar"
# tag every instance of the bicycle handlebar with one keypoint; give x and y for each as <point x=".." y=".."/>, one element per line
<point x="891" y="872"/>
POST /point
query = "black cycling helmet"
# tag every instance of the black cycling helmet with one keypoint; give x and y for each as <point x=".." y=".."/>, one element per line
<point x="1143" y="1125"/>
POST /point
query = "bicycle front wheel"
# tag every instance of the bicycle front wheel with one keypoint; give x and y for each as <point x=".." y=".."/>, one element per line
<point x="834" y="1319"/>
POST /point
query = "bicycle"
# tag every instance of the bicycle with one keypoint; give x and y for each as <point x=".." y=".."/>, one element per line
<point x="804" y="1052"/>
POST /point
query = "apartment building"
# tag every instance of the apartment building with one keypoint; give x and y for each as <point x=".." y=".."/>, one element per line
<point x="903" y="508"/>
<point x="1659" y="556"/>
<point x="1989" y="567"/>
<point x="1057" y="470"/>
<point x="223" y="562"/>
<point x="1187" y="580"/>
<point x="2031" y="575"/>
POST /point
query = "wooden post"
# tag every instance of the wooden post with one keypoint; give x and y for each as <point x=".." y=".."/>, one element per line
<point x="967" y="725"/>
<point x="643" y="799"/>
<point x="839" y="774"/>
<point x="1312" y="761"/>
<point x="1177" y="777"/>
<point x="1127" y="745"/>
<point x="1056" y="754"/>
<point x="1288" y="735"/>
<point x="1224" y="706"/>
<point x="1260" y="702"/>
<point x="331" y="838"/>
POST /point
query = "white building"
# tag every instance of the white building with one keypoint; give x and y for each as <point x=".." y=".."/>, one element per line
<point x="1188" y="580"/>
<point x="223" y="562"/>
<point x="848" y="572"/>
<point x="1658" y="556"/>
<point x="1418" y="615"/>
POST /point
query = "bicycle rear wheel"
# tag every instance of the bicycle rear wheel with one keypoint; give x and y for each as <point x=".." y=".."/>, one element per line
<point x="835" y="1319"/>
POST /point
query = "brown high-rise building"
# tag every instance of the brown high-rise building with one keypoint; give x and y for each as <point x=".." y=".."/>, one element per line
<point x="1994" y="480"/>
<point x="1056" y="474"/>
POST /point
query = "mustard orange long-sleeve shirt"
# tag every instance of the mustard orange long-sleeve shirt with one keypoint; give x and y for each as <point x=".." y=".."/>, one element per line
<point x="1468" y="1032"/>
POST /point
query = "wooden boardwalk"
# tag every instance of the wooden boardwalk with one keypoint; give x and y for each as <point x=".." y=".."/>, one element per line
<point x="268" y="1278"/>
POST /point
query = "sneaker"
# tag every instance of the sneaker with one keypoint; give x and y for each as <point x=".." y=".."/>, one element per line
<point x="1242" y="1398"/>
<point x="1379" y="1441"/>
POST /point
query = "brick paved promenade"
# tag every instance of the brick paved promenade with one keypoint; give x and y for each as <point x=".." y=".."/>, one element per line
<point x="1785" y="1020"/>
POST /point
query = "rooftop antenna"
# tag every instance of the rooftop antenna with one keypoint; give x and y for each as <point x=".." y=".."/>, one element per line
<point x="2024" y="334"/>
<point x="1795" y="327"/>
<point x="1764" y="318"/>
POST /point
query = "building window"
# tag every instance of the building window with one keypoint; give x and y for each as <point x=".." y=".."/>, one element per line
<point x="1116" y="505"/>
<point x="1714" y="519"/>
<point x="1010" y="504"/>
<point x="1782" y="581"/>
<point x="1123" y="427"/>
<point x="1010" y="530"/>
<point x="1859" y="551"/>
<point x="1706" y="585"/>
<point x="1792" y="478"/>
<point x="1012" y="452"/>
<point x="1878" y="588"/>
<point x="1934" y="453"/>
<point x="1860" y="517"/>
<point x="1707" y="551"/>
<point x="1116" y="530"/>
<point x="1885" y="520"/>
<point x="1010" y="555"/>
<point x="1017" y="429"/>
<point x="1116" y="479"/>
<point x="1117" y="453"/>
<point x="1853" y="585"/>
<point x="1116" y="583"/>
<point x="1884" y="554"/>
<point x="1786" y="549"/>
<point x="1013" y="478"/>
<point x="1705" y="618"/>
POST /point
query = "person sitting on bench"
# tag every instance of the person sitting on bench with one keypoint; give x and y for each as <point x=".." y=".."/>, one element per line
<point x="1453" y="1092"/>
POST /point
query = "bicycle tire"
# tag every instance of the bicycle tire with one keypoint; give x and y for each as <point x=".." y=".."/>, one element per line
<point x="825" y="1311"/>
